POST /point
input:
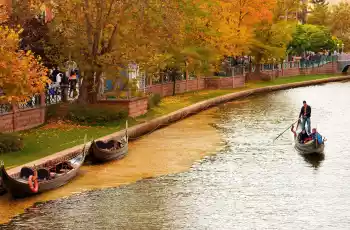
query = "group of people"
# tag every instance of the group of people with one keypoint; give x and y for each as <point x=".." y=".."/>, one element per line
<point x="60" y="78"/>
<point x="306" y="135"/>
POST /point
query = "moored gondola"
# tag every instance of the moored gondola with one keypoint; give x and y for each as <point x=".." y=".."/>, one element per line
<point x="2" y="188"/>
<point x="31" y="181"/>
<point x="112" y="150"/>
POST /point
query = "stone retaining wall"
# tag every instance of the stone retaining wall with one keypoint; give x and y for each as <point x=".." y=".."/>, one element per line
<point x="144" y="128"/>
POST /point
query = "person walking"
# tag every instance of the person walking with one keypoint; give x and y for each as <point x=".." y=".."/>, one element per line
<point x="305" y="114"/>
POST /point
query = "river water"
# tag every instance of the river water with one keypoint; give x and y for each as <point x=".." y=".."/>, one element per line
<point x="250" y="183"/>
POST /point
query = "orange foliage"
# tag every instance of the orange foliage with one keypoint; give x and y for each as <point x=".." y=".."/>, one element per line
<point x="21" y="74"/>
<point x="234" y="22"/>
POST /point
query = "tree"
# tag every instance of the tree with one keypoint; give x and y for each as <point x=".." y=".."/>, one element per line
<point x="303" y="14"/>
<point x="271" y="37"/>
<point x="234" y="21"/>
<point x="287" y="10"/>
<point x="271" y="41"/>
<point x="319" y="13"/>
<point x="105" y="36"/>
<point x="21" y="74"/>
<point x="339" y="22"/>
<point x="34" y="36"/>
<point x="311" y="38"/>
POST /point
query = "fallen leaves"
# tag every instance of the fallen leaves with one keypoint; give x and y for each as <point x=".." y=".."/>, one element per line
<point x="62" y="125"/>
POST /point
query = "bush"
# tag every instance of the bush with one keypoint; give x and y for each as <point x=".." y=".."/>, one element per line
<point x="154" y="100"/>
<point x="90" y="114"/>
<point x="10" y="143"/>
<point x="51" y="111"/>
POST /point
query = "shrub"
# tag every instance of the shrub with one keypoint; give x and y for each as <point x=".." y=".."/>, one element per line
<point x="51" y="111"/>
<point x="10" y="143"/>
<point x="90" y="114"/>
<point x="154" y="100"/>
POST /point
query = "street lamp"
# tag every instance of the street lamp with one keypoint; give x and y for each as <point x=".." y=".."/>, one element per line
<point x="338" y="47"/>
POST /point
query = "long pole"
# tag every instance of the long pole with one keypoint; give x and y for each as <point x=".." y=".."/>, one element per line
<point x="285" y="130"/>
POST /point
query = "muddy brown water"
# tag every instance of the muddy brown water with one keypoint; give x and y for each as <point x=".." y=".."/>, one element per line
<point x="249" y="183"/>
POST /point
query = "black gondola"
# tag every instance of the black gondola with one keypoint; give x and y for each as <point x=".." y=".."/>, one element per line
<point x="48" y="178"/>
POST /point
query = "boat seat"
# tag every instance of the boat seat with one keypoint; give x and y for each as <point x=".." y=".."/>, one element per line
<point x="26" y="172"/>
<point x="62" y="167"/>
<point x="106" y="145"/>
<point x="43" y="174"/>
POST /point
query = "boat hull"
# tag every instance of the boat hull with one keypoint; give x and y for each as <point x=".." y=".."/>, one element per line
<point x="2" y="188"/>
<point x="309" y="148"/>
<point x="19" y="188"/>
<point x="99" y="155"/>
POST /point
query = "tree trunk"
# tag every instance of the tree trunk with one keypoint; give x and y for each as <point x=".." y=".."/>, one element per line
<point x="257" y="69"/>
<point x="88" y="91"/>
<point x="83" y="92"/>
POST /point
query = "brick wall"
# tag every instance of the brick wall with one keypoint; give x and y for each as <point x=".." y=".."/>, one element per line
<point x="166" y="89"/>
<point x="135" y="106"/>
<point x="328" y="68"/>
<point x="197" y="84"/>
<point x="22" y="119"/>
<point x="18" y="120"/>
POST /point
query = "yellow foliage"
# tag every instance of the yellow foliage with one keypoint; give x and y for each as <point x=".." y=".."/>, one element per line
<point x="21" y="74"/>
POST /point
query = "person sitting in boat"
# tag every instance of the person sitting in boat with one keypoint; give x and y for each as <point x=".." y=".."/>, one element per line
<point x="316" y="136"/>
<point x="303" y="137"/>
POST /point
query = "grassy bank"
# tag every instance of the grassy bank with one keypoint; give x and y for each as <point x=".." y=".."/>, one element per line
<point x="54" y="137"/>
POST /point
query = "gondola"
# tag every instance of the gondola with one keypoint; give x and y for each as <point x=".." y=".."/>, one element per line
<point x="2" y="188"/>
<point x="309" y="147"/>
<point x="101" y="152"/>
<point x="49" y="176"/>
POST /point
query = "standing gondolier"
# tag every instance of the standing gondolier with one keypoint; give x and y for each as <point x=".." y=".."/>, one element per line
<point x="305" y="113"/>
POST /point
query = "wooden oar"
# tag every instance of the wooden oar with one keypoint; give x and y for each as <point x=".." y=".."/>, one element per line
<point x="285" y="130"/>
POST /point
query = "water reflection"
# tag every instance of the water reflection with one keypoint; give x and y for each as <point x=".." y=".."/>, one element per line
<point x="314" y="160"/>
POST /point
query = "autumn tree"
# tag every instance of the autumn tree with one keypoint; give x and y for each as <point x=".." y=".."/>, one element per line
<point x="105" y="36"/>
<point x="21" y="74"/>
<point x="287" y="10"/>
<point x="271" y="38"/>
<point x="319" y="14"/>
<point x="339" y="22"/>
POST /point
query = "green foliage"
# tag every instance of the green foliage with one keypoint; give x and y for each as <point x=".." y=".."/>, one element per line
<point x="91" y="114"/>
<point x="271" y="40"/>
<point x="312" y="38"/>
<point x="319" y="14"/>
<point x="154" y="100"/>
<point x="10" y="143"/>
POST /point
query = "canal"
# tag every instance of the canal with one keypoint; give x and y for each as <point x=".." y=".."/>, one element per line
<point x="247" y="181"/>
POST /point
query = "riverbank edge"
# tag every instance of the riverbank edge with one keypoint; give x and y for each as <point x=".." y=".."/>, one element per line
<point x="147" y="127"/>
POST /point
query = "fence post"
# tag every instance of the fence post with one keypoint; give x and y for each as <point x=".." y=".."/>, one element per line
<point x="42" y="107"/>
<point x="161" y="83"/>
<point x="14" y="116"/>
<point x="186" y="78"/>
<point x="233" y="77"/>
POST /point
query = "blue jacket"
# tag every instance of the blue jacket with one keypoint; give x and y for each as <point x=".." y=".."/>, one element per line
<point x="318" y="137"/>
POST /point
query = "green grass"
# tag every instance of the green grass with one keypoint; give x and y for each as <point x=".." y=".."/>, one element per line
<point x="46" y="140"/>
